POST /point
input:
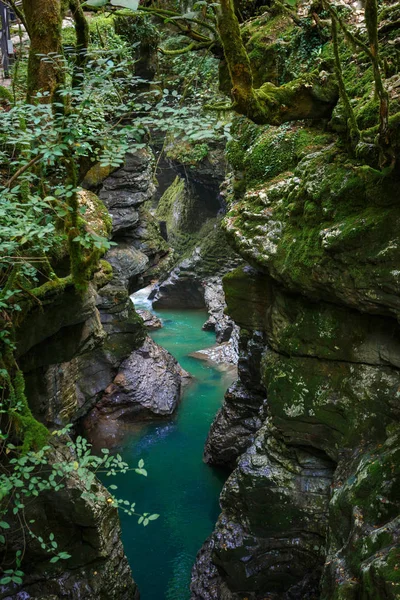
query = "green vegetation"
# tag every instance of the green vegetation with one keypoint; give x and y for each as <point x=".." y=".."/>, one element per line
<point x="312" y="205"/>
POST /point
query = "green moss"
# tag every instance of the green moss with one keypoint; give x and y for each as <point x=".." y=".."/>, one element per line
<point x="342" y="401"/>
<point x="247" y="296"/>
<point x="264" y="152"/>
<point x="5" y="94"/>
<point x="137" y="28"/>
<point x="96" y="213"/>
<point x="171" y="205"/>
<point x="367" y="114"/>
<point x="96" y="175"/>
<point x="186" y="153"/>
<point x="34" y="435"/>
<point x="104" y="274"/>
<point x="279" y="50"/>
<point x="52" y="287"/>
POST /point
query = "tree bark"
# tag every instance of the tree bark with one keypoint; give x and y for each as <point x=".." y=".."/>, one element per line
<point x="82" y="37"/>
<point x="44" y="19"/>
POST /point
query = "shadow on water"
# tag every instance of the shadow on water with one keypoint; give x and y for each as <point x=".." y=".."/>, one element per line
<point x="179" y="486"/>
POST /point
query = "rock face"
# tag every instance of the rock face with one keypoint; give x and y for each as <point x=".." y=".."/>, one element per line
<point x="77" y="350"/>
<point x="89" y="531"/>
<point x="136" y="231"/>
<point x="234" y="427"/>
<point x="214" y="300"/>
<point x="310" y="430"/>
<point x="191" y="209"/>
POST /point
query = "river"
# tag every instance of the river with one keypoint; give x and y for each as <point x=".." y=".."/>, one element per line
<point x="179" y="486"/>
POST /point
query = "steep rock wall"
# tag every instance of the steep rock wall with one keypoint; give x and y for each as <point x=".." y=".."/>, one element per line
<point x="72" y="346"/>
<point x="310" y="510"/>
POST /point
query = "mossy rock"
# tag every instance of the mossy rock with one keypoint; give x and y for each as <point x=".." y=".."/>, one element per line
<point x="247" y="295"/>
<point x="327" y="228"/>
<point x="95" y="213"/>
<point x="297" y="327"/>
<point x="329" y="405"/>
<point x="96" y="175"/>
<point x="264" y="152"/>
<point x="172" y="206"/>
<point x="364" y="552"/>
<point x="186" y="153"/>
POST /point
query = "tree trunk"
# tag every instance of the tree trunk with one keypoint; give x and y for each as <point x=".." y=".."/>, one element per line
<point x="44" y="18"/>
<point x="82" y="39"/>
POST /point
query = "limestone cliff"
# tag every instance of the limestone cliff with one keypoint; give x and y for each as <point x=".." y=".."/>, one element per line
<point x="311" y="508"/>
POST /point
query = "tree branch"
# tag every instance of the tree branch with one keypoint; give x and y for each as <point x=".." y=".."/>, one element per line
<point x="190" y="48"/>
<point x="22" y="170"/>
<point x="310" y="97"/>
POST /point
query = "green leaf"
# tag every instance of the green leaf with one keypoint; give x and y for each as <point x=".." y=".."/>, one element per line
<point x="132" y="4"/>
<point x="95" y="3"/>
<point x="55" y="559"/>
<point x="141" y="463"/>
<point x="4" y="525"/>
<point x="153" y="517"/>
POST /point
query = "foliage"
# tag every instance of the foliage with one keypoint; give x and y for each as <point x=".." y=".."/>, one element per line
<point x="46" y="147"/>
<point x="137" y="28"/>
<point x="25" y="477"/>
<point x="102" y="36"/>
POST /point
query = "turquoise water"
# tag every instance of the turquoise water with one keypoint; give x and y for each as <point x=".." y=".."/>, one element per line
<point x="179" y="486"/>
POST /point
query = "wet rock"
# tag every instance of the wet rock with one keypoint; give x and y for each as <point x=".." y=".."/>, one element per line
<point x="128" y="187"/>
<point x="148" y="385"/>
<point x="151" y="321"/>
<point x="207" y="172"/>
<point x="354" y="253"/>
<point x="219" y="354"/>
<point x="234" y="427"/>
<point x="206" y="582"/>
<point x="127" y="264"/>
<point x="217" y="321"/>
<point x="363" y="548"/>
<point x="137" y="232"/>
<point x="182" y="289"/>
<point x="251" y="350"/>
<point x="330" y="405"/>
<point x="283" y="493"/>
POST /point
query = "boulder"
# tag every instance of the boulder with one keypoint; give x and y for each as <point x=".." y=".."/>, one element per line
<point x="150" y="320"/>
<point x="147" y="386"/>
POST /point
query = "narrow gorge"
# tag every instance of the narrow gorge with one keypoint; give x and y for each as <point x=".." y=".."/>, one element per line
<point x="199" y="300"/>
